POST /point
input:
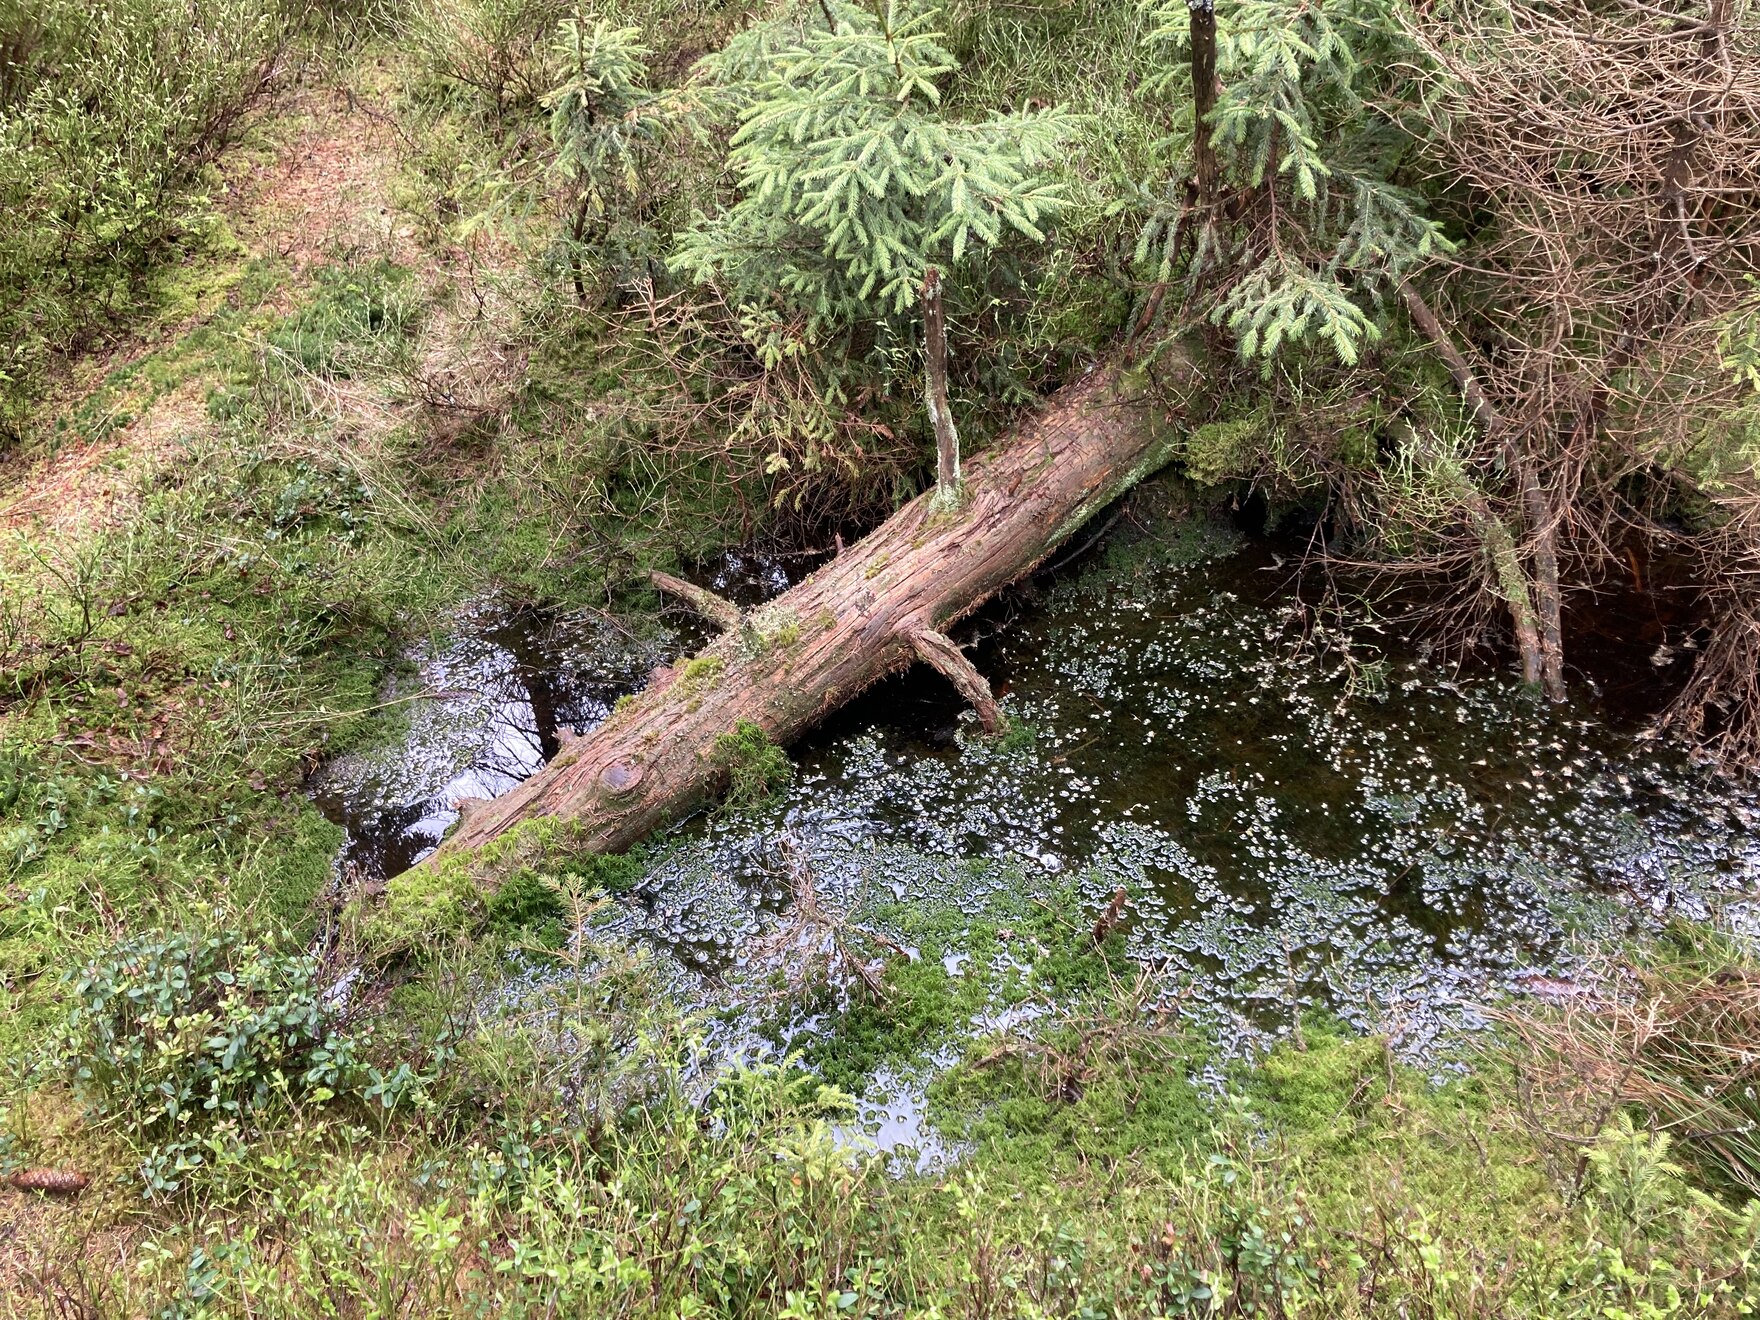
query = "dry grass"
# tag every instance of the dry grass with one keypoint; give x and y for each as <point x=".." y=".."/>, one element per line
<point x="1679" y="1040"/>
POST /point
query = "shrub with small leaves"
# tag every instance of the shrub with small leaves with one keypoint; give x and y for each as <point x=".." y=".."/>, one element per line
<point x="191" y="1039"/>
<point x="110" y="114"/>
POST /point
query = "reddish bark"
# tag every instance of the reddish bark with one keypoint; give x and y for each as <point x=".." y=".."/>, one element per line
<point x="877" y="608"/>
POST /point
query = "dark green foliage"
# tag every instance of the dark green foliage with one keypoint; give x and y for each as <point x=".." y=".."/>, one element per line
<point x="525" y="901"/>
<point x="530" y="902"/>
<point x="611" y="873"/>
<point x="853" y="182"/>
<point x="604" y="126"/>
<point x="1319" y="232"/>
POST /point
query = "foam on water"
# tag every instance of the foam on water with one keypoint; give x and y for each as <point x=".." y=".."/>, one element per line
<point x="1293" y="811"/>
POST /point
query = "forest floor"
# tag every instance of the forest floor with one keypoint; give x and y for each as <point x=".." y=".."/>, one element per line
<point x="312" y="187"/>
<point x="229" y="528"/>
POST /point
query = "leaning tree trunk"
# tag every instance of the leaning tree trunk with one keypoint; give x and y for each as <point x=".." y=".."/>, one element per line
<point x="1539" y="633"/>
<point x="881" y="605"/>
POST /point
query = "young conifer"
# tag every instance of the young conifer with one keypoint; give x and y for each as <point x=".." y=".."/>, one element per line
<point x="1312" y="234"/>
<point x="598" y="126"/>
<point x="854" y="185"/>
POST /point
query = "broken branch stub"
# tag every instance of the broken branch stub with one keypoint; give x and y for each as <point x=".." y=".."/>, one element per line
<point x="718" y="610"/>
<point x="877" y="608"/>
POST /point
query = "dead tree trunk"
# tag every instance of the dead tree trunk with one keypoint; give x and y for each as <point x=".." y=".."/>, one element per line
<point x="1537" y="508"/>
<point x="878" y="607"/>
<point x="935" y="370"/>
<point x="1539" y="634"/>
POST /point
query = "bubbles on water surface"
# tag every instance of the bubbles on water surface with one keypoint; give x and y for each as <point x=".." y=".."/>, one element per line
<point x="1397" y="854"/>
<point x="1326" y="821"/>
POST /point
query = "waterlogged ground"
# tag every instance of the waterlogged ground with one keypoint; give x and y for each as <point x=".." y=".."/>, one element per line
<point x="1298" y="809"/>
<point x="484" y="708"/>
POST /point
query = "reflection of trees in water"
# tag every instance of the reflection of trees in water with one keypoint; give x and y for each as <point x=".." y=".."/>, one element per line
<point x="543" y="690"/>
<point x="391" y="841"/>
<point x="520" y="677"/>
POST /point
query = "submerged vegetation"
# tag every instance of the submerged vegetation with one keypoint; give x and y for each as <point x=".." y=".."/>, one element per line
<point x="323" y="323"/>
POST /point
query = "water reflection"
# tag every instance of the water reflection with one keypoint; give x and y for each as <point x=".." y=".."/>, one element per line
<point x="503" y="687"/>
<point x="491" y="698"/>
<point x="1294" y="812"/>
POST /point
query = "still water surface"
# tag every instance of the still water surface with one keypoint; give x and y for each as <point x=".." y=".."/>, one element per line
<point x="1296" y="809"/>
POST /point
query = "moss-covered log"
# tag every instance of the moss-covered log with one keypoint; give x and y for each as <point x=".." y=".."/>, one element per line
<point x="880" y="606"/>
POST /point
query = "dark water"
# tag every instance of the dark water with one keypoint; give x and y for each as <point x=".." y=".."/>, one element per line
<point x="504" y="684"/>
<point x="1297" y="805"/>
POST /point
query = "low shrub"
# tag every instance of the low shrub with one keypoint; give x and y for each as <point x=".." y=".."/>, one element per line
<point x="497" y="56"/>
<point x="193" y="1040"/>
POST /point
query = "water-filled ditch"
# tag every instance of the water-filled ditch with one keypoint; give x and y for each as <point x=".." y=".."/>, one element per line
<point x="1299" y="808"/>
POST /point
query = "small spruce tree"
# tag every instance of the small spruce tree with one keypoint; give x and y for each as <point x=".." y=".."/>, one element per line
<point x="598" y="124"/>
<point x="858" y="197"/>
<point x="1304" y="234"/>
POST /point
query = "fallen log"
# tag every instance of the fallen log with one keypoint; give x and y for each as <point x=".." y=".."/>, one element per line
<point x="881" y="605"/>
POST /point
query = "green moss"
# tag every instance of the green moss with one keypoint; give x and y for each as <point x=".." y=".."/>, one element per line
<point x="1015" y="951"/>
<point x="290" y="873"/>
<point x="701" y="672"/>
<point x="1226" y="450"/>
<point x="756" y="768"/>
<point x="449" y="897"/>
<point x="524" y="902"/>
<point x="781" y="632"/>
<point x="511" y="888"/>
<point x="766" y="630"/>
<point x="612" y="873"/>
<point x="528" y="905"/>
<point x="424" y="905"/>
<point x="1041" y="1116"/>
<point x="921" y="1004"/>
<point x="354" y="309"/>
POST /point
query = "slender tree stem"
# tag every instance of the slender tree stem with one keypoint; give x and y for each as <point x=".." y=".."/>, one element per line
<point x="1203" y="35"/>
<point x="1538" y="619"/>
<point x="935" y="356"/>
